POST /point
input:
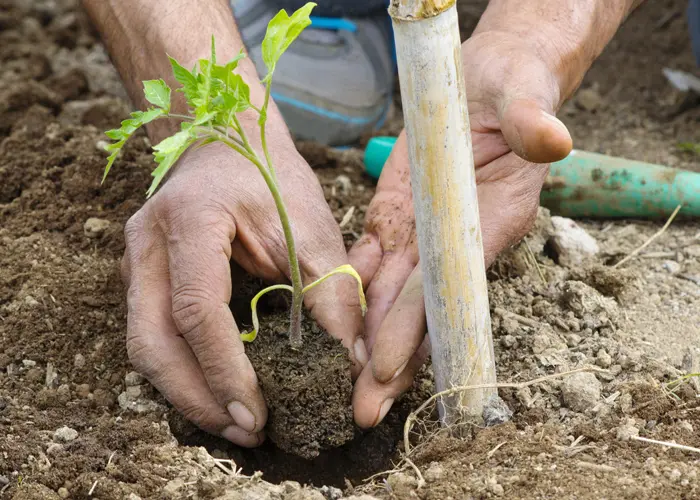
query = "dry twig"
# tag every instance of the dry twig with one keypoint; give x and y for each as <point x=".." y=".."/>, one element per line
<point x="648" y="242"/>
<point x="668" y="444"/>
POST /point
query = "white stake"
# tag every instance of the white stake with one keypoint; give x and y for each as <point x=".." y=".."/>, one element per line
<point x="444" y="196"/>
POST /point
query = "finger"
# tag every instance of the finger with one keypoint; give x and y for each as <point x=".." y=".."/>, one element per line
<point x="365" y="257"/>
<point x="385" y="287"/>
<point x="335" y="303"/>
<point x="400" y="350"/>
<point x="199" y="251"/>
<point x="372" y="400"/>
<point x="153" y="343"/>
<point x="534" y="133"/>
<point x="402" y="331"/>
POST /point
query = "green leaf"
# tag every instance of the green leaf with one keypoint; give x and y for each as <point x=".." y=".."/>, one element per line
<point x="186" y="78"/>
<point x="223" y="72"/>
<point x="157" y="93"/>
<point x="148" y="116"/>
<point x="282" y="30"/>
<point x="239" y="93"/>
<point x="127" y="129"/>
<point x="167" y="152"/>
<point x="202" y="117"/>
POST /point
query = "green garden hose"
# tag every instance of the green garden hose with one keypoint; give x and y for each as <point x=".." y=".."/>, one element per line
<point x="590" y="185"/>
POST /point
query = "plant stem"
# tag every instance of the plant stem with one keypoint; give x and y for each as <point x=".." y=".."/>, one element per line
<point x="294" y="269"/>
<point x="263" y="134"/>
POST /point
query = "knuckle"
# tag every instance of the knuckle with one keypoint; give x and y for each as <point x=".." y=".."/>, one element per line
<point x="201" y="416"/>
<point x="133" y="229"/>
<point x="142" y="356"/>
<point x="183" y="212"/>
<point x="192" y="305"/>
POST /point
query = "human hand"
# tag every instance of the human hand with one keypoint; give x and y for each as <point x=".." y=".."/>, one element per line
<point x="513" y="94"/>
<point x="181" y="334"/>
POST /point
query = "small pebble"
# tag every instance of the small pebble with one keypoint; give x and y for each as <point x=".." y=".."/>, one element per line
<point x="344" y="182"/>
<point x="94" y="227"/>
<point x="83" y="390"/>
<point x="685" y="425"/>
<point x="581" y="391"/>
<point x="79" y="361"/>
<point x="28" y="363"/>
<point x="588" y="99"/>
<point x="133" y="379"/>
<point x="434" y="473"/>
<point x="627" y="430"/>
<point x="30" y="301"/>
<point x="508" y="341"/>
<point x="63" y="493"/>
<point x="572" y="340"/>
<point x="672" y="266"/>
<point x="674" y="475"/>
<point x="603" y="359"/>
<point x="65" y="434"/>
<point x="54" y="448"/>
<point x="571" y="243"/>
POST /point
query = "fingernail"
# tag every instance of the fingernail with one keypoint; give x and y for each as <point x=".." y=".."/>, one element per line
<point x="241" y="437"/>
<point x="555" y="120"/>
<point x="361" y="351"/>
<point x="242" y="416"/>
<point x="398" y="372"/>
<point x="383" y="410"/>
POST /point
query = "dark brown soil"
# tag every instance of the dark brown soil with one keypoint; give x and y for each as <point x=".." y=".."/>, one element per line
<point x="308" y="391"/>
<point x="63" y="317"/>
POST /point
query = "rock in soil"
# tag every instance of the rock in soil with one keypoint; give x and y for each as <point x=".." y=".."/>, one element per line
<point x="571" y="243"/>
<point x="65" y="434"/>
<point x="581" y="391"/>
<point x="308" y="391"/>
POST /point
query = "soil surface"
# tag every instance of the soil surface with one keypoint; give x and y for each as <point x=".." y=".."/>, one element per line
<point x="77" y="422"/>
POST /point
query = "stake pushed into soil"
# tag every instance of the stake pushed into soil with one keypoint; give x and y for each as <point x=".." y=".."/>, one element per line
<point x="445" y="200"/>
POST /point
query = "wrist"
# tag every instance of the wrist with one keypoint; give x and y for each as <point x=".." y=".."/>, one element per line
<point x="141" y="34"/>
<point x="567" y="35"/>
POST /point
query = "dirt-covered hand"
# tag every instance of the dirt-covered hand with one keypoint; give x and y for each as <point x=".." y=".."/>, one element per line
<point x="181" y="333"/>
<point x="512" y="96"/>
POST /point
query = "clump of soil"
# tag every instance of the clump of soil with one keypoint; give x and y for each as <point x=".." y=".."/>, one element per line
<point x="308" y="391"/>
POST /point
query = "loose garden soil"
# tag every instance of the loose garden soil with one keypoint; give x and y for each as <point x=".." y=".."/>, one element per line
<point x="76" y="422"/>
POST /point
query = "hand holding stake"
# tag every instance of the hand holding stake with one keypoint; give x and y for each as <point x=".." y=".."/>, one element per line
<point x="445" y="201"/>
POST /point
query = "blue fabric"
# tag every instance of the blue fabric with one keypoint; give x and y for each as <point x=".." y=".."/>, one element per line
<point x="694" y="27"/>
<point x="335" y="8"/>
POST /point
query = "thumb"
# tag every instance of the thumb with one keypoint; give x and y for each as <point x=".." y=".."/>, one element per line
<point x="534" y="134"/>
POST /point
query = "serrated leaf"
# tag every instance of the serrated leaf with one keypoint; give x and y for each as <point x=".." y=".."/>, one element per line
<point x="115" y="134"/>
<point x="127" y="129"/>
<point x="188" y="79"/>
<point x="116" y="149"/>
<point x="149" y="115"/>
<point x="223" y="72"/>
<point x="240" y="91"/>
<point x="202" y="117"/>
<point x="282" y="30"/>
<point x="167" y="152"/>
<point x="157" y="93"/>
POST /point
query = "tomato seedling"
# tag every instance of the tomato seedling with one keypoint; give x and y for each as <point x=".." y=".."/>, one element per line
<point x="215" y="96"/>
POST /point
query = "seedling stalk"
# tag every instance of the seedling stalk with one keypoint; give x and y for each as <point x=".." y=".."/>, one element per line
<point x="445" y="201"/>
